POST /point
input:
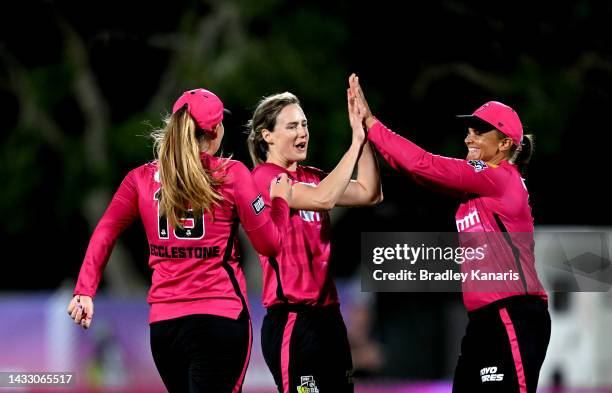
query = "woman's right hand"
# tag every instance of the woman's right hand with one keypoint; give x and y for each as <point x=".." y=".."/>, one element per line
<point x="281" y="187"/>
<point x="81" y="310"/>
<point x="356" y="90"/>
<point x="356" y="116"/>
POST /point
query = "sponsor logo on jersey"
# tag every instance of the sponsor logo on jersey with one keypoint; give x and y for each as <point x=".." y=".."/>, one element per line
<point x="490" y="374"/>
<point x="478" y="165"/>
<point x="310" y="216"/>
<point x="258" y="204"/>
<point x="468" y="221"/>
<point x="307" y="385"/>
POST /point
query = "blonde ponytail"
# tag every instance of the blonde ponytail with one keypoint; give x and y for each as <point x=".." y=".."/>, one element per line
<point x="185" y="183"/>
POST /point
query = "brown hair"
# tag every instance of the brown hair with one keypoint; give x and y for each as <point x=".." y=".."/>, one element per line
<point x="521" y="158"/>
<point x="264" y="118"/>
<point x="184" y="181"/>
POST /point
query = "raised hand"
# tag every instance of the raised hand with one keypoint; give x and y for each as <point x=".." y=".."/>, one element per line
<point x="357" y="91"/>
<point x="356" y="113"/>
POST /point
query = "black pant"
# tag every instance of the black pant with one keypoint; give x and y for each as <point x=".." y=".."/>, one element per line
<point x="504" y="347"/>
<point x="202" y="353"/>
<point x="307" y="349"/>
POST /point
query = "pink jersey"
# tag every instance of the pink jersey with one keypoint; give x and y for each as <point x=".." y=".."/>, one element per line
<point x="300" y="274"/>
<point x="494" y="210"/>
<point x="196" y="269"/>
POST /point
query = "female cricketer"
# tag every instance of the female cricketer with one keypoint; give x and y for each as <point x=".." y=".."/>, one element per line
<point x="304" y="339"/>
<point x="509" y="325"/>
<point x="190" y="203"/>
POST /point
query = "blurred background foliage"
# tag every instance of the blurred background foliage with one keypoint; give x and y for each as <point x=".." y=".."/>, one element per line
<point x="83" y="84"/>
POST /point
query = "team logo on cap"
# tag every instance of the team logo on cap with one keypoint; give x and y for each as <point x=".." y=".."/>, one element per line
<point x="478" y="165"/>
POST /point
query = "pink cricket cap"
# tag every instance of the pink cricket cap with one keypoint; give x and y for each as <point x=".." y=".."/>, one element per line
<point x="203" y="105"/>
<point x="499" y="116"/>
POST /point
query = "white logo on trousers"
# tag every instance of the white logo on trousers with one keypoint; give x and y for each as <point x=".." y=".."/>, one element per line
<point x="489" y="374"/>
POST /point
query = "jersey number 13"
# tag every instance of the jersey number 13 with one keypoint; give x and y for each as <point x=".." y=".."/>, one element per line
<point x="192" y="229"/>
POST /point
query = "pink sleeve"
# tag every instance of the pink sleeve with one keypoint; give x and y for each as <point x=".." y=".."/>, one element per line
<point x="263" y="226"/>
<point x="121" y="212"/>
<point x="455" y="174"/>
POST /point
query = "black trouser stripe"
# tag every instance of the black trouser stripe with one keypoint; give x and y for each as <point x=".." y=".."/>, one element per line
<point x="279" y="287"/>
<point x="515" y="251"/>
<point x="228" y="268"/>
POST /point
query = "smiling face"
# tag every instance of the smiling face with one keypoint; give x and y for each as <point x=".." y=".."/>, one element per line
<point x="288" y="141"/>
<point x="489" y="146"/>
